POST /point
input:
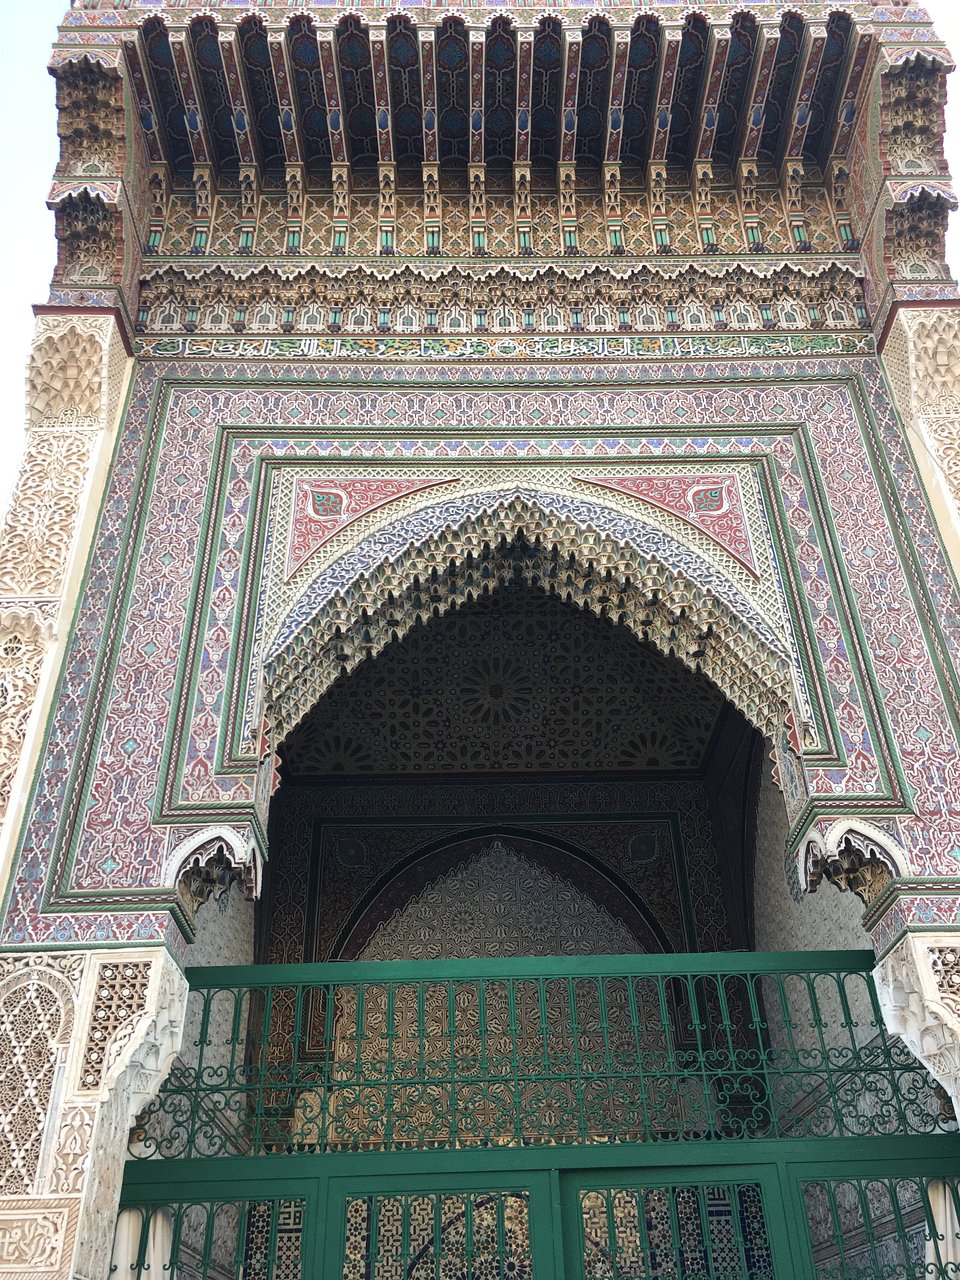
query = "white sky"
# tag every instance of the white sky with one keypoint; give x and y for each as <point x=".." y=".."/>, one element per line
<point x="27" y="247"/>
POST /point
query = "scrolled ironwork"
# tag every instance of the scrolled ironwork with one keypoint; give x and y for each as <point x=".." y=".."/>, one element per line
<point x="393" y="1057"/>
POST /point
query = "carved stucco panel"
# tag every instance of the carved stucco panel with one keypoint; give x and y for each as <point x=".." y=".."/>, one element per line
<point x="38" y="530"/>
<point x="85" y="1042"/>
<point x="36" y="1238"/>
<point x="23" y="644"/>
<point x="918" y="983"/>
<point x="38" y="997"/>
<point x="74" y="381"/>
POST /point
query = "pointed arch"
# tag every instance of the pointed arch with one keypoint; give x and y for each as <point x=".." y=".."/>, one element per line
<point x="588" y="555"/>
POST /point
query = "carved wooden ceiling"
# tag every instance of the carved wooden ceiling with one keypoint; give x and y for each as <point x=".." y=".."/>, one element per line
<point x="515" y="682"/>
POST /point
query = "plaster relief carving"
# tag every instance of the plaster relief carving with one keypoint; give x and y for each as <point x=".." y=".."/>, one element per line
<point x="36" y="1020"/>
<point x="520" y="542"/>
<point x="65" y="374"/>
<point x="854" y="861"/>
<point x="23" y="645"/>
<point x="120" y="1000"/>
<point x="917" y="985"/>
<point x="38" y="531"/>
<point x="35" y="1238"/>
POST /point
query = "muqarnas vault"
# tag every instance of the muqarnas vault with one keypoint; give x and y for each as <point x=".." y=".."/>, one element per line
<point x="479" y="630"/>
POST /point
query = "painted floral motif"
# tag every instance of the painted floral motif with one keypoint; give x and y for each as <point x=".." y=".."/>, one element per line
<point x="713" y="503"/>
<point x="322" y="508"/>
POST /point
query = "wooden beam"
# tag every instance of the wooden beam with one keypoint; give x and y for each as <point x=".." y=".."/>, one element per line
<point x="334" y="97"/>
<point x="381" y="94"/>
<point x="572" y="46"/>
<point x="146" y="107"/>
<point x="525" y="38"/>
<point x="428" y="91"/>
<point x="765" y="55"/>
<point x="197" y="130"/>
<point x="289" y="107"/>
<point x="797" y="118"/>
<point x="715" y="63"/>
<point x="240" y="114"/>
<point x="426" y="38"/>
<point x="663" y="95"/>
<point x="842" y="126"/>
<point x="618" y="89"/>
<point x="477" y="48"/>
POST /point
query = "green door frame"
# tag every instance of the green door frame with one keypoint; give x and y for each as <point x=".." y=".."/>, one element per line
<point x="553" y="1176"/>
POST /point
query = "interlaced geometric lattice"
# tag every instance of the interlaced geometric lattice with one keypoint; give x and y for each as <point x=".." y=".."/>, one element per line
<point x="516" y="680"/>
<point x="483" y="1236"/>
<point x="31" y="1023"/>
<point x="716" y="1230"/>
<point x="499" y="904"/>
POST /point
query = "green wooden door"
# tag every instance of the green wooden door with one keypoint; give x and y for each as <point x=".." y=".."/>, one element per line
<point x="617" y="1224"/>
<point x="498" y="1227"/>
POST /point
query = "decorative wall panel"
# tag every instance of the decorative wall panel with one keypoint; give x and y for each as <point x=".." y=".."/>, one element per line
<point x="808" y="432"/>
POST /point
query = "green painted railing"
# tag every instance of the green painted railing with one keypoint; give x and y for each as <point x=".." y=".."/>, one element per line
<point x="520" y="1053"/>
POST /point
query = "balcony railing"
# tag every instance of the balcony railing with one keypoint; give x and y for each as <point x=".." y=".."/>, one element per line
<point x="557" y="1051"/>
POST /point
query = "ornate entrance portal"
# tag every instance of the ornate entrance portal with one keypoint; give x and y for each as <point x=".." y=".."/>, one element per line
<point x="479" y="633"/>
<point x="482" y="1044"/>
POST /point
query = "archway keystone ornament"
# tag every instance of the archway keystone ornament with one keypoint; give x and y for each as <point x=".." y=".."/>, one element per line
<point x="322" y="507"/>
<point x="711" y="503"/>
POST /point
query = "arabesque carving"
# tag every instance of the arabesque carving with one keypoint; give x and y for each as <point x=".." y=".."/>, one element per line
<point x="917" y="985"/>
<point x="73" y="385"/>
<point x="518" y="541"/>
<point x="141" y="1055"/>
<point x="39" y="527"/>
<point x="23" y="645"/>
<point x="37" y="1008"/>
<point x="922" y="358"/>
<point x="69" y="1094"/>
<point x="935" y="347"/>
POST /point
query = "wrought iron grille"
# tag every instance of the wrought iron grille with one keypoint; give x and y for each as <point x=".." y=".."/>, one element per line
<point x="519" y="1053"/>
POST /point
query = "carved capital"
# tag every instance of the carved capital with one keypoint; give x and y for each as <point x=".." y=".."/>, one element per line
<point x="90" y="239"/>
<point x="915" y="236"/>
<point x="207" y="863"/>
<point x="913" y="97"/>
<point x="855" y="863"/>
<point x="90" y="119"/>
